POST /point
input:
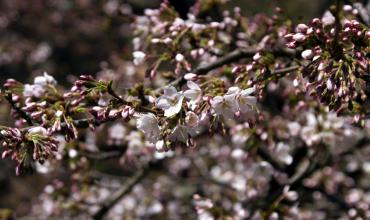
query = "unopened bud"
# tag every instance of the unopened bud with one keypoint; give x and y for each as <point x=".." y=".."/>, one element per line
<point x="190" y="76"/>
<point x="307" y="54"/>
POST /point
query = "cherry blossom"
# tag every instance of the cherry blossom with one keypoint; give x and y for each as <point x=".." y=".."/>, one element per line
<point x="148" y="124"/>
<point x="170" y="101"/>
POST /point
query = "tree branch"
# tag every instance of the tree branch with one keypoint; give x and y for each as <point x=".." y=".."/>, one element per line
<point x="103" y="155"/>
<point x="265" y="155"/>
<point x="120" y="193"/>
<point x="126" y="188"/>
<point x="237" y="55"/>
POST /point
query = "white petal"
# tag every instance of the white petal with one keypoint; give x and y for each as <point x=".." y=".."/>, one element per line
<point x="170" y="92"/>
<point x="179" y="133"/>
<point x="163" y="103"/>
<point x="192" y="94"/>
<point x="38" y="130"/>
<point x="192" y="85"/>
<point x="40" y="80"/>
<point x="148" y="124"/>
<point x="192" y="119"/>
<point x="248" y="91"/>
<point x="233" y="90"/>
<point x="217" y="100"/>
<point x="173" y="110"/>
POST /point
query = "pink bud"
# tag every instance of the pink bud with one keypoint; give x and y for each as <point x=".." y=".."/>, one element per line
<point x="18" y="170"/>
<point x="347" y="8"/>
<point x="236" y="69"/>
<point x="74" y="88"/>
<point x="249" y="67"/>
<point x="257" y="56"/>
<point x="125" y="113"/>
<point x="15" y="98"/>
<point x="131" y="111"/>
<point x="5" y="153"/>
<point x="302" y="28"/>
<point x="150" y="98"/>
<point x="316" y="21"/>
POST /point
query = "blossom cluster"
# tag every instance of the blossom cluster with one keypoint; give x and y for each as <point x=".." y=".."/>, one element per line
<point x="336" y="52"/>
<point x="198" y="109"/>
<point x="29" y="146"/>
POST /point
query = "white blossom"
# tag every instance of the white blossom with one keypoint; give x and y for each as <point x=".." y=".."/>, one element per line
<point x="59" y="113"/>
<point x="43" y="168"/>
<point x="328" y="19"/>
<point x="179" y="133"/>
<point x="72" y="153"/>
<point x="235" y="100"/>
<point x="179" y="57"/>
<point x="225" y="105"/>
<point x="139" y="57"/>
<point x="33" y="91"/>
<point x="194" y="93"/>
<point x="38" y="89"/>
<point x="191" y="119"/>
<point x="38" y="130"/>
<point x="246" y="101"/>
<point x="282" y="151"/>
<point x="170" y="102"/>
<point x="44" y="80"/>
<point x="148" y="124"/>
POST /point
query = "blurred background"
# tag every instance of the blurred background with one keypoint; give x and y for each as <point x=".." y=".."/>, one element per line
<point x="74" y="37"/>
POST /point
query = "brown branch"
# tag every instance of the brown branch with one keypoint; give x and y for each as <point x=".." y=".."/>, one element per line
<point x="265" y="155"/>
<point x="337" y="49"/>
<point x="120" y="193"/>
<point x="237" y="55"/>
<point x="103" y="155"/>
<point x="126" y="188"/>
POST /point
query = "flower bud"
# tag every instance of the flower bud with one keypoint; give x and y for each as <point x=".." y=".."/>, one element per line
<point x="190" y="76"/>
<point x="299" y="37"/>
<point x="347" y="8"/>
<point x="302" y="28"/>
<point x="307" y="54"/>
<point x="179" y="57"/>
<point x="257" y="56"/>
